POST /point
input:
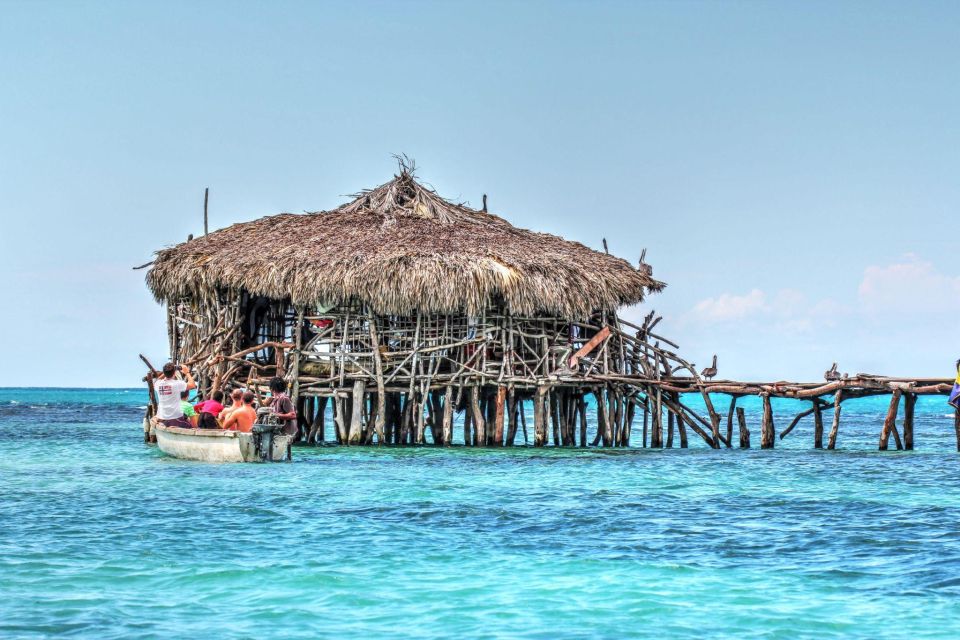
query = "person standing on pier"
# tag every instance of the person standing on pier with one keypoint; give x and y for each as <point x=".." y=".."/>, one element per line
<point x="955" y="394"/>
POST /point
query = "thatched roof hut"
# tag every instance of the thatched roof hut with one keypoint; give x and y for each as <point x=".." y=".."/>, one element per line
<point x="401" y="247"/>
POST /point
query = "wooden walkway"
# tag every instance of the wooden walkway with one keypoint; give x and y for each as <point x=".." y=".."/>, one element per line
<point x="823" y="396"/>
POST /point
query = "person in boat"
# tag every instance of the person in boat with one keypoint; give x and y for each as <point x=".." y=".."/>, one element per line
<point x="168" y="389"/>
<point x="236" y="402"/>
<point x="955" y="394"/>
<point x="242" y="417"/>
<point x="282" y="406"/>
<point x="188" y="411"/>
<point x="208" y="411"/>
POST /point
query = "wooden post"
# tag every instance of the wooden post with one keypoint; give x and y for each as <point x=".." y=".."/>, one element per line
<point x="206" y="200"/>
<point x="817" y="424"/>
<point x="669" y="429"/>
<point x="656" y="422"/>
<point x="378" y="369"/>
<point x="553" y="406"/>
<point x="730" y="412"/>
<point x="478" y="421"/>
<point x="908" y="405"/>
<point x="319" y="418"/>
<point x="835" y="427"/>
<point x="448" y="416"/>
<point x="539" y="417"/>
<point x="767" y="431"/>
<point x="498" y="420"/>
<point x="646" y="419"/>
<point x="339" y="419"/>
<point x="744" y="432"/>
<point x="582" y="410"/>
<point x="511" y="417"/>
<point x="628" y="427"/>
<point x="890" y="420"/>
<point x="356" y="416"/>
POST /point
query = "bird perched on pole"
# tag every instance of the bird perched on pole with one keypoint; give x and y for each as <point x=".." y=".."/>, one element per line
<point x="710" y="371"/>
<point x="831" y="374"/>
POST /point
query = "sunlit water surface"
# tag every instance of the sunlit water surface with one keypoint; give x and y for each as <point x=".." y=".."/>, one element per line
<point x="102" y="536"/>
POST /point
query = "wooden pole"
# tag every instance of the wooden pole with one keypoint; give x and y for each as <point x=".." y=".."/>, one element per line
<point x="766" y="428"/>
<point x="669" y="429"/>
<point x="448" y="416"/>
<point x="356" y="416"/>
<point x="582" y="410"/>
<point x="817" y="425"/>
<point x="498" y="420"/>
<point x="682" y="430"/>
<point x="744" y="432"/>
<point x="656" y="423"/>
<point x="319" y="418"/>
<point x="206" y="199"/>
<point x="730" y="412"/>
<point x="908" y="405"/>
<point x="835" y="427"/>
<point x="539" y="417"/>
<point x="480" y="427"/>
<point x="890" y="420"/>
<point x="378" y="369"/>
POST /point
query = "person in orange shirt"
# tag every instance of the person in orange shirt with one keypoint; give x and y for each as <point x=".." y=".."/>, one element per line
<point x="242" y="418"/>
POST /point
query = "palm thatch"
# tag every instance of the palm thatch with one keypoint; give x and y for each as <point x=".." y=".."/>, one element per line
<point x="401" y="247"/>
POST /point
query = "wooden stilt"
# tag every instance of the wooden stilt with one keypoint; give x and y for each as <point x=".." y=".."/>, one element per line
<point x="448" y="416"/>
<point x="656" y="422"/>
<point x="646" y="418"/>
<point x="730" y="412"/>
<point x="670" y="429"/>
<point x="744" y="432"/>
<point x="890" y="420"/>
<point x="553" y="406"/>
<point x="908" y="405"/>
<point x="478" y="422"/>
<point x="767" y="431"/>
<point x="511" y="417"/>
<point x="540" y="417"/>
<point x="835" y="427"/>
<point x="628" y="427"/>
<point x="498" y="419"/>
<point x="817" y="424"/>
<point x="356" y="416"/>
<point x="318" y="424"/>
<point x="582" y="410"/>
<point x="523" y="420"/>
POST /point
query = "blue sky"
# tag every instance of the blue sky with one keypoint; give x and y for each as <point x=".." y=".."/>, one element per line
<point x="791" y="168"/>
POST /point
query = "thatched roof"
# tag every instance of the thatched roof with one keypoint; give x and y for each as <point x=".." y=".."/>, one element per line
<point x="401" y="247"/>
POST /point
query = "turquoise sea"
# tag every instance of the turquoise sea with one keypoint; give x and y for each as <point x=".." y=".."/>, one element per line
<point x="102" y="536"/>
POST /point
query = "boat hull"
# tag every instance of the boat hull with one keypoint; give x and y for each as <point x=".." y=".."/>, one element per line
<point x="216" y="445"/>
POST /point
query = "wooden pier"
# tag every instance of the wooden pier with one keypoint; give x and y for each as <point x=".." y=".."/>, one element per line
<point x="823" y="396"/>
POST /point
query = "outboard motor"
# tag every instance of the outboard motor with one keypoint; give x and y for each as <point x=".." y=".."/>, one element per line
<point x="267" y="435"/>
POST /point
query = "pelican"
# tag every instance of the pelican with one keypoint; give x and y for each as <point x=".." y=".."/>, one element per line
<point x="710" y="371"/>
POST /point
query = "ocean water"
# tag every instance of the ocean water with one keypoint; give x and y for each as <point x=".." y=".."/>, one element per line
<point x="102" y="536"/>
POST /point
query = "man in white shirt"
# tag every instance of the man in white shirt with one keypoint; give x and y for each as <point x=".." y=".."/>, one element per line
<point x="169" y="388"/>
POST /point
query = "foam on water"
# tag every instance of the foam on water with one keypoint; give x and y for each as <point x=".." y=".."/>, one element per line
<point x="101" y="536"/>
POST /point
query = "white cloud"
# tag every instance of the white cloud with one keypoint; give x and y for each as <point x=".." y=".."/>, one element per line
<point x="911" y="286"/>
<point x="728" y="307"/>
<point x="786" y="310"/>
